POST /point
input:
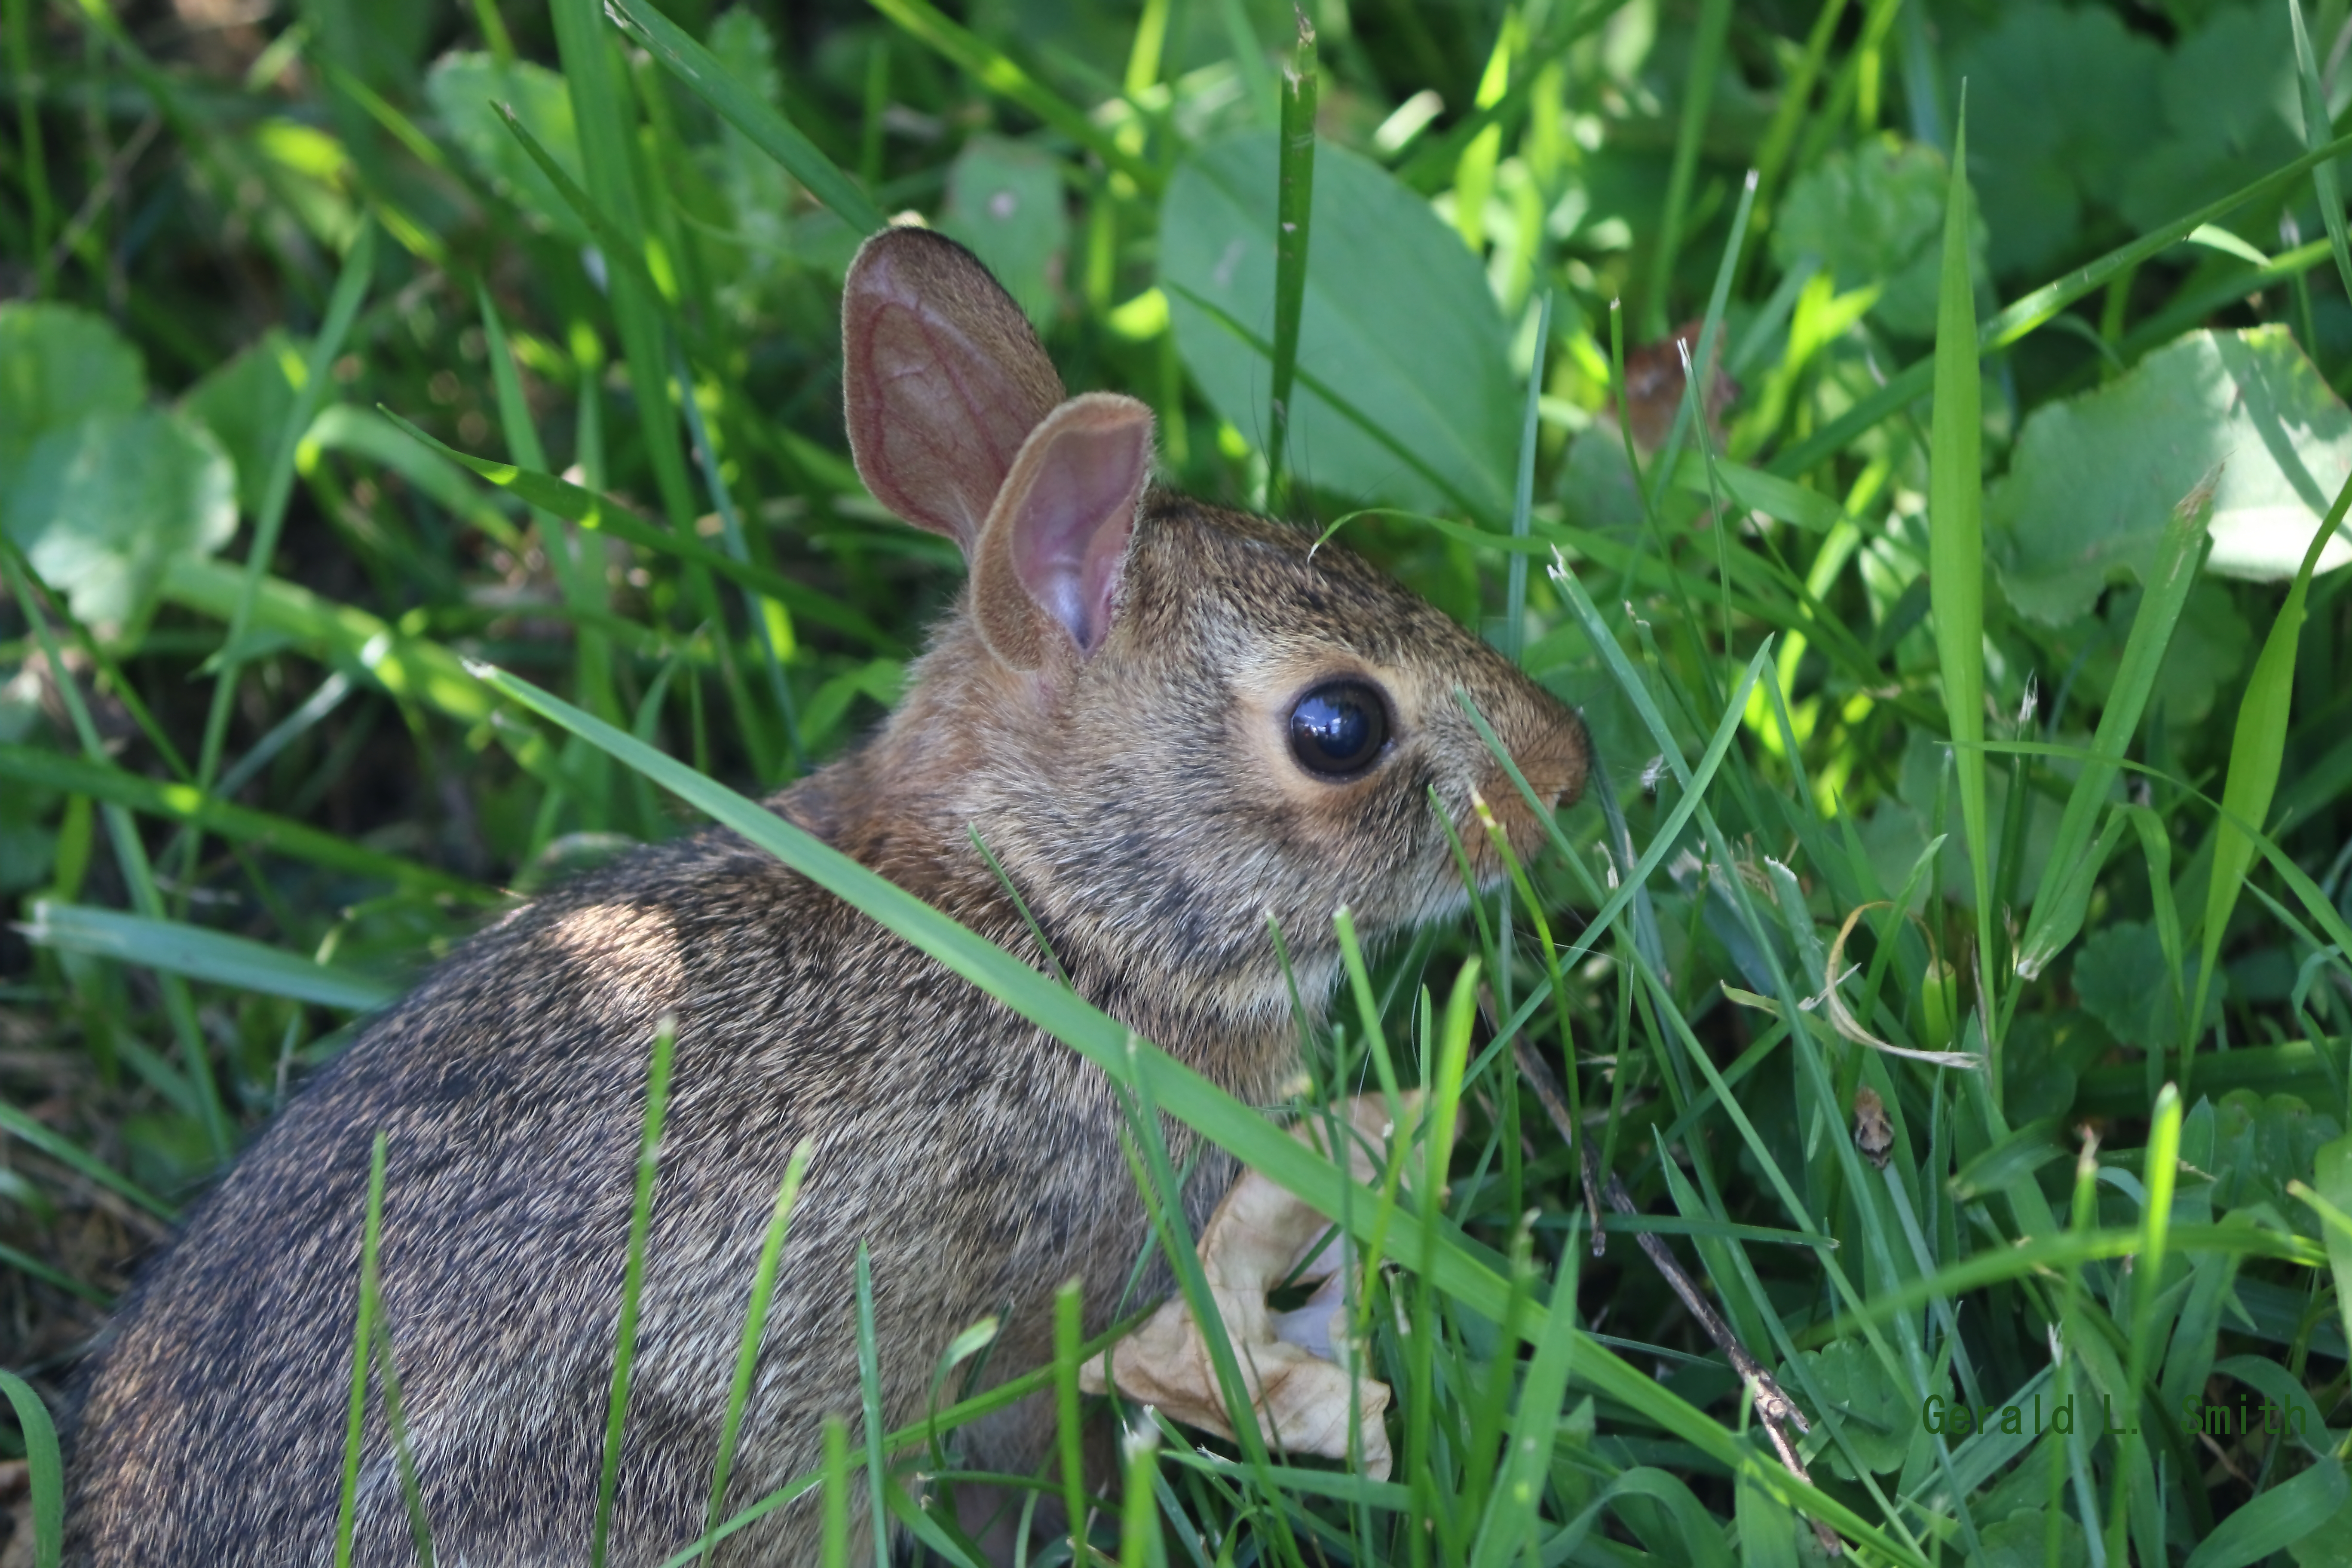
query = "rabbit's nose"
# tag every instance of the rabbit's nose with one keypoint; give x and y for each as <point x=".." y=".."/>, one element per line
<point x="1556" y="759"/>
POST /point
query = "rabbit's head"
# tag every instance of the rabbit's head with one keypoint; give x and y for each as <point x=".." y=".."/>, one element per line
<point x="1168" y="721"/>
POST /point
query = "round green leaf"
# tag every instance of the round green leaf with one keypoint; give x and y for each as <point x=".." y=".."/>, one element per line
<point x="1879" y="1419"/>
<point x="59" y="365"/>
<point x="2095" y="476"/>
<point x="104" y="506"/>
<point x="1398" y="323"/>
<point x="1875" y="215"/>
<point x="1005" y="201"/>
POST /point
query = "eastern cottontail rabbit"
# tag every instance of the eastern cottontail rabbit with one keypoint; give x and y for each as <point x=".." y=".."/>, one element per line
<point x="1165" y="719"/>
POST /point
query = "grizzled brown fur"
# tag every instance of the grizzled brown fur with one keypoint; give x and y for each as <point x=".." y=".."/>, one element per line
<point x="1117" y="733"/>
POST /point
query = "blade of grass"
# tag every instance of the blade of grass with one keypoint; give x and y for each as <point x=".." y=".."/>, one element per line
<point x="1523" y="495"/>
<point x="2064" y="892"/>
<point x="755" y="1326"/>
<point x="2316" y="126"/>
<point x="1956" y="552"/>
<point x="1698" y="96"/>
<point x="46" y="1470"/>
<point x="2161" y="1168"/>
<point x="1069" y="1438"/>
<point x="362" y="1332"/>
<point x="633" y="1280"/>
<point x="833" y="1538"/>
<point x="605" y="515"/>
<point x="1293" y="214"/>
<point x="130" y="857"/>
<point x="869" y="1388"/>
<point x="764" y="624"/>
<point x="343" y="309"/>
<point x="108" y="784"/>
<point x="237" y="963"/>
<point x="2257" y="749"/>
<point x="991" y="69"/>
<point x="582" y="580"/>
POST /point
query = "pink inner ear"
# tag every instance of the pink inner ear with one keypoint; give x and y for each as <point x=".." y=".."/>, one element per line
<point x="1070" y="504"/>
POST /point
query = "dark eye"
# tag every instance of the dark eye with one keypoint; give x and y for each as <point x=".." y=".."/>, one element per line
<point x="1339" y="728"/>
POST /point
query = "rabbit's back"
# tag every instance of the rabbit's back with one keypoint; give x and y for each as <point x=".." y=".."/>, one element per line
<point x="976" y="1159"/>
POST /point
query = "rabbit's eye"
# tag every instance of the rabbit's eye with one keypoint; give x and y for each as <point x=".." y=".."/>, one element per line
<point x="1338" y="727"/>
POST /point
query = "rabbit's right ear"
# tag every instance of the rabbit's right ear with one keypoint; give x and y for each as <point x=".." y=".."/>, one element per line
<point x="943" y="380"/>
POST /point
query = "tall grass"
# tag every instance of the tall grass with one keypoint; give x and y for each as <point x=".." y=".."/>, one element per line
<point x="1958" y="990"/>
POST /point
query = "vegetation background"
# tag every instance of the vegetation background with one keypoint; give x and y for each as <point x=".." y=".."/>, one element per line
<point x="1962" y="992"/>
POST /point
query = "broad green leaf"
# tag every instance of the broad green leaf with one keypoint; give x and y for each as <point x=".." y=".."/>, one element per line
<point x="235" y="961"/>
<point x="2261" y="1143"/>
<point x="103" y="507"/>
<point x="2021" y="1541"/>
<point x="466" y="89"/>
<point x="2094" y="476"/>
<point x="2231" y="109"/>
<point x="1398" y="319"/>
<point x="59" y="365"/>
<point x="2119" y="975"/>
<point x="1005" y="201"/>
<point x="2062" y="109"/>
<point x="1874" y="215"/>
<point x="1879" y="1419"/>
<point x="2288" y="1513"/>
<point x="244" y="404"/>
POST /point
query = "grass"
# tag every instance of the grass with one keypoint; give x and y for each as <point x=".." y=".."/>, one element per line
<point x="622" y="580"/>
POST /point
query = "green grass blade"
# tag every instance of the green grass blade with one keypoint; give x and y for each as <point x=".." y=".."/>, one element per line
<point x="2256" y="752"/>
<point x="130" y="857"/>
<point x="1522" y="494"/>
<point x="363" y="1333"/>
<point x="1698" y="96"/>
<point x="833" y="1539"/>
<point x="237" y="963"/>
<point x="46" y="1469"/>
<point x="869" y="1388"/>
<point x="632" y="1281"/>
<point x="110" y="785"/>
<point x="2160" y="1167"/>
<point x="2316" y="126"/>
<point x="2065" y="888"/>
<point x="746" y="111"/>
<point x="755" y="1325"/>
<point x="603" y="514"/>
<point x="1069" y="1331"/>
<point x="991" y="69"/>
<point x="342" y="308"/>
<point x="20" y="1126"/>
<point x="1294" y="222"/>
<point x="1955" y="549"/>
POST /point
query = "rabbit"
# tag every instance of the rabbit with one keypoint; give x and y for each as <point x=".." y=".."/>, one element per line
<point x="1168" y="721"/>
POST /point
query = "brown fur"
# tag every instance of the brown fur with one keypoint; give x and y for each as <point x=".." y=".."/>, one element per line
<point x="1143" y="800"/>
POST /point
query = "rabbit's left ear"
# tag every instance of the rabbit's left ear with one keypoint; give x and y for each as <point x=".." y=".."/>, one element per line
<point x="1047" y="570"/>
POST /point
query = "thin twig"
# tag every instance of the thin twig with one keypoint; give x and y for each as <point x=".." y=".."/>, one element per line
<point x="1774" y="1408"/>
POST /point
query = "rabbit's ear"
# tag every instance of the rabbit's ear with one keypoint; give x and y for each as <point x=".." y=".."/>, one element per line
<point x="1050" y="558"/>
<point x="942" y="377"/>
